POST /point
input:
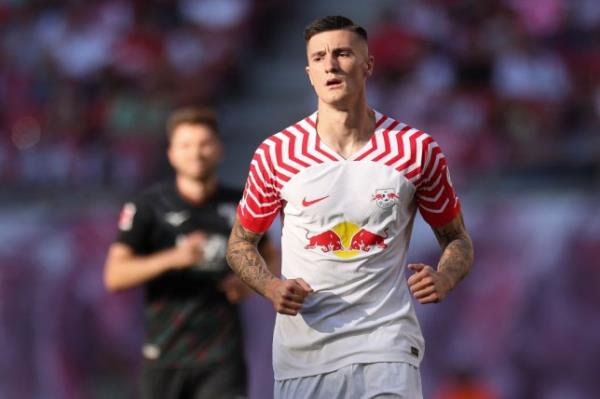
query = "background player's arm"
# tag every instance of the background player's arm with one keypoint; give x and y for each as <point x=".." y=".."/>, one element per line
<point x="429" y="285"/>
<point x="126" y="269"/>
<point x="245" y="260"/>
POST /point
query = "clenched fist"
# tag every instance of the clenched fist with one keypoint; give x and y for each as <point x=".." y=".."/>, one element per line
<point x="427" y="284"/>
<point x="287" y="296"/>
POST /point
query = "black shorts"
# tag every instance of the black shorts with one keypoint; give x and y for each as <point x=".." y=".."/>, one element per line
<point x="227" y="381"/>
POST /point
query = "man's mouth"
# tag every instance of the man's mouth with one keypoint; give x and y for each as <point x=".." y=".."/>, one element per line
<point x="333" y="82"/>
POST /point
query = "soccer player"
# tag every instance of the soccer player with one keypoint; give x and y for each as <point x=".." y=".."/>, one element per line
<point x="348" y="181"/>
<point x="172" y="239"/>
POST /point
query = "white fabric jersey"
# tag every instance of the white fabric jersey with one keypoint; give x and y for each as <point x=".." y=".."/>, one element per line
<point x="346" y="229"/>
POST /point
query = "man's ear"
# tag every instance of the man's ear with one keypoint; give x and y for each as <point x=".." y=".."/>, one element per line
<point x="369" y="64"/>
<point x="307" y="70"/>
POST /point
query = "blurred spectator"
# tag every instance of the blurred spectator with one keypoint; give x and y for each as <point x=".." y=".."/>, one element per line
<point x="95" y="73"/>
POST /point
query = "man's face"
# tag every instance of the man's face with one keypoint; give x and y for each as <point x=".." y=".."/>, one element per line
<point x="194" y="151"/>
<point x="338" y="66"/>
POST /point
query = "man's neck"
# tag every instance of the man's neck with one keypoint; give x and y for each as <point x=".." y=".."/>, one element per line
<point x="196" y="191"/>
<point x="345" y="131"/>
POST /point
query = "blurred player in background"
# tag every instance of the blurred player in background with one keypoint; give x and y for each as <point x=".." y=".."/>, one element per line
<point x="348" y="181"/>
<point x="172" y="239"/>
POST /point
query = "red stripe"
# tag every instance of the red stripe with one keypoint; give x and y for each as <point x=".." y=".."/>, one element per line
<point x="380" y="121"/>
<point x="401" y="152"/>
<point x="279" y="154"/>
<point x="263" y="185"/>
<point x="318" y="145"/>
<point x="426" y="172"/>
<point x="274" y="166"/>
<point x="305" y="144"/>
<point x="427" y="196"/>
<point x="323" y="152"/>
<point x="292" y="148"/>
<point x="437" y="205"/>
<point x="258" y="207"/>
<point x="387" y="147"/>
<point x="440" y="219"/>
<point x="413" y="156"/>
<point x="255" y="225"/>
<point x="268" y="174"/>
<point x="259" y="165"/>
<point x="373" y="141"/>
<point x="310" y="122"/>
<point x="432" y="191"/>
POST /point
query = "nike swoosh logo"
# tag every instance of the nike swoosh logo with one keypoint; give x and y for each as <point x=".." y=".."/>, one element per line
<point x="306" y="202"/>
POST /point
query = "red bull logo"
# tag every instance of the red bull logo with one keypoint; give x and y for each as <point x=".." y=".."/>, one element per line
<point x="346" y="240"/>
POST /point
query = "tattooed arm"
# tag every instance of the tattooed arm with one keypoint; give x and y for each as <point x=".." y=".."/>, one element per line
<point x="245" y="260"/>
<point x="430" y="285"/>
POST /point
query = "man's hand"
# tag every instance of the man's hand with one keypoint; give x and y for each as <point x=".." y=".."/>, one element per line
<point x="287" y="296"/>
<point x="187" y="252"/>
<point x="427" y="284"/>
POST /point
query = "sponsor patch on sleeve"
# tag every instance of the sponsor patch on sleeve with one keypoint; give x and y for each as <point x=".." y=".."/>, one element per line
<point x="126" y="217"/>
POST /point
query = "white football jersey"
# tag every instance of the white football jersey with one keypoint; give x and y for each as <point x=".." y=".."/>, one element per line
<point x="346" y="230"/>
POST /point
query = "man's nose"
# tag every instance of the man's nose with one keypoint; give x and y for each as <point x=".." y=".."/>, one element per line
<point x="331" y="63"/>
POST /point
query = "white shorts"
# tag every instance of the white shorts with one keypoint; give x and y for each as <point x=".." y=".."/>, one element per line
<point x="356" y="381"/>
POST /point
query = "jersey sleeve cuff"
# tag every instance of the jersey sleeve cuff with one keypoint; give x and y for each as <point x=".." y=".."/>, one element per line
<point x="440" y="219"/>
<point x="253" y="224"/>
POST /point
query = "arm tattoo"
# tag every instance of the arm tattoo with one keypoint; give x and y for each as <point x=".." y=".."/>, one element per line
<point x="245" y="260"/>
<point x="457" y="250"/>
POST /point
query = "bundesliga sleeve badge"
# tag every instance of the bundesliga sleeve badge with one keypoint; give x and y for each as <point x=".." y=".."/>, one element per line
<point x="126" y="217"/>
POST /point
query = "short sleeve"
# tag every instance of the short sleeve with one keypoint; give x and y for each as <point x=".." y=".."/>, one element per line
<point x="261" y="200"/>
<point x="135" y="222"/>
<point x="435" y="195"/>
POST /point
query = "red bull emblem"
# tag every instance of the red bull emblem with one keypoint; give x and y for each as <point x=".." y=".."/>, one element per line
<point x="327" y="241"/>
<point x="385" y="198"/>
<point x="346" y="240"/>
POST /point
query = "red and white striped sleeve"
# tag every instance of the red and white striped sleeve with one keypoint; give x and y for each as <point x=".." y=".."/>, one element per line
<point x="435" y="196"/>
<point x="261" y="200"/>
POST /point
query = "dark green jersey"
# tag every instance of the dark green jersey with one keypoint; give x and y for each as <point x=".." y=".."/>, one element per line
<point x="188" y="321"/>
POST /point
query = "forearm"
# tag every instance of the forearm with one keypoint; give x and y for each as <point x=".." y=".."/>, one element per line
<point x="456" y="259"/>
<point x="128" y="272"/>
<point x="457" y="250"/>
<point x="245" y="260"/>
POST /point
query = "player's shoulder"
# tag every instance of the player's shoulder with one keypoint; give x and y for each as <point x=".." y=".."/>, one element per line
<point x="154" y="194"/>
<point x="396" y="127"/>
<point x="158" y="189"/>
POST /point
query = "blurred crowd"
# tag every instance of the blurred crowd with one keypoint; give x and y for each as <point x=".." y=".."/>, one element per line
<point x="508" y="86"/>
<point x="85" y="85"/>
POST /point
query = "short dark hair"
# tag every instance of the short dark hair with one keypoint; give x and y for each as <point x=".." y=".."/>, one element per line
<point x="336" y="22"/>
<point x="193" y="116"/>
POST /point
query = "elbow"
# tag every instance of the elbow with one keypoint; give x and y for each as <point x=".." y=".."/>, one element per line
<point x="110" y="285"/>
<point x="110" y="282"/>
